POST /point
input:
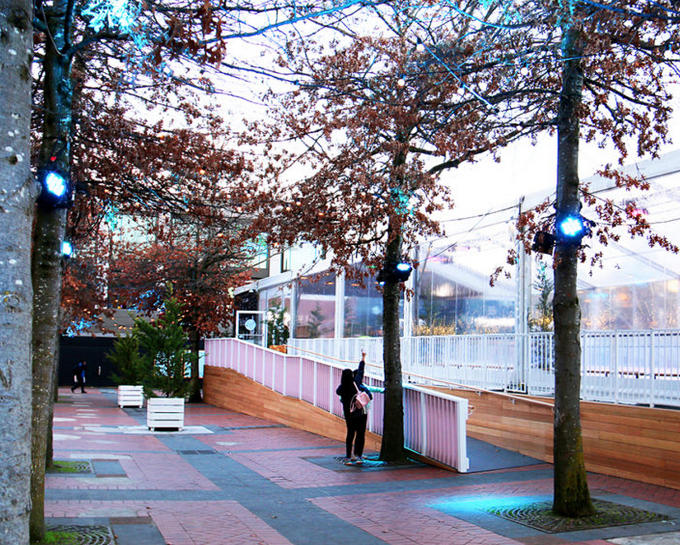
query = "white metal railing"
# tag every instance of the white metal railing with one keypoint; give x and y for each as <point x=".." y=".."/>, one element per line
<point x="636" y="367"/>
<point x="434" y="424"/>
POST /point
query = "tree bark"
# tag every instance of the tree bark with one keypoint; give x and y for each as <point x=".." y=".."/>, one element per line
<point x="17" y="194"/>
<point x="49" y="230"/>
<point x="571" y="494"/>
<point x="392" y="449"/>
<point x="194" y="380"/>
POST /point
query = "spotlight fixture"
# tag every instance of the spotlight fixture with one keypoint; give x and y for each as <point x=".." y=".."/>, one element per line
<point x="395" y="271"/>
<point x="571" y="228"/>
<point x="56" y="190"/>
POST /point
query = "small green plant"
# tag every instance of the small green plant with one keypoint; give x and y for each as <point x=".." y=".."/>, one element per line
<point x="164" y="351"/>
<point x="543" y="319"/>
<point x="69" y="466"/>
<point x="60" y="538"/>
<point x="316" y="321"/>
<point x="131" y="369"/>
<point x="277" y="329"/>
<point x="434" y="329"/>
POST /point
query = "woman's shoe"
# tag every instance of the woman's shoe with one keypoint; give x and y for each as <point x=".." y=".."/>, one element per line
<point x="360" y="460"/>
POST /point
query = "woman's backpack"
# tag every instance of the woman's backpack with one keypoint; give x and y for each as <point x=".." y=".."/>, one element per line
<point x="360" y="400"/>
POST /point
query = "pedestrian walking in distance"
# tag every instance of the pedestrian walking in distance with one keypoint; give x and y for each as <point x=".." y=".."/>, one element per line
<point x="79" y="376"/>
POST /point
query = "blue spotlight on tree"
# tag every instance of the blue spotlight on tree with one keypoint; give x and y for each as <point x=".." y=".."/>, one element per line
<point x="55" y="189"/>
<point x="402" y="271"/>
<point x="66" y="249"/>
<point x="395" y="272"/>
<point x="571" y="228"/>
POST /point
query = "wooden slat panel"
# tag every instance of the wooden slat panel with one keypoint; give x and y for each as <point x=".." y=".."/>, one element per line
<point x="638" y="443"/>
<point x="230" y="390"/>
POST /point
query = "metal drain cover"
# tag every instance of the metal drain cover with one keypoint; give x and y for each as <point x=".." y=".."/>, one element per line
<point x="539" y="515"/>
<point x="86" y="535"/>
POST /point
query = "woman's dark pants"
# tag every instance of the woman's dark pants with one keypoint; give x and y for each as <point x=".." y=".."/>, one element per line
<point x="356" y="426"/>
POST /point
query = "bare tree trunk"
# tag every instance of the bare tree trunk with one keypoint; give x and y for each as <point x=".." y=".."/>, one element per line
<point x="392" y="449"/>
<point x="571" y="494"/>
<point x="17" y="193"/>
<point x="49" y="230"/>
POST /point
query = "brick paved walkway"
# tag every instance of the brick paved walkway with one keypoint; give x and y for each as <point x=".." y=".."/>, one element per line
<point x="234" y="479"/>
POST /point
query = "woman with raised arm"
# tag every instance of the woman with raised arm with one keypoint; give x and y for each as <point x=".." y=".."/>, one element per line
<point x="351" y="383"/>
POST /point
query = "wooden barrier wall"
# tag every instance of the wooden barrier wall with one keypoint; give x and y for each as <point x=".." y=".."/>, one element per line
<point x="228" y="389"/>
<point x="637" y="443"/>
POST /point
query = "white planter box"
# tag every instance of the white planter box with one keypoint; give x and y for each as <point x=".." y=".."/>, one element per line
<point x="165" y="412"/>
<point x="130" y="396"/>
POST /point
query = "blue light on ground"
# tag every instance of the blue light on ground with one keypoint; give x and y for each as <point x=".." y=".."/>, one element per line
<point x="459" y="506"/>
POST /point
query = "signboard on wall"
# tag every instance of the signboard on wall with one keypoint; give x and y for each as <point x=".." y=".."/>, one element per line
<point x="251" y="326"/>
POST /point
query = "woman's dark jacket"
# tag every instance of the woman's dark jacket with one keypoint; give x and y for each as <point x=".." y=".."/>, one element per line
<point x="348" y="391"/>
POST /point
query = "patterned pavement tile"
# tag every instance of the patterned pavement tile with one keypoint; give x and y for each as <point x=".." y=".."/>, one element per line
<point x="276" y="467"/>
<point x="404" y="519"/>
<point x="144" y="471"/>
<point x="291" y="469"/>
<point x="83" y="439"/>
<point x="267" y="438"/>
<point x="181" y="523"/>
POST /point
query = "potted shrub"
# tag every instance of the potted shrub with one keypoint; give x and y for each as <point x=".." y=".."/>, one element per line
<point x="163" y="344"/>
<point x="131" y="370"/>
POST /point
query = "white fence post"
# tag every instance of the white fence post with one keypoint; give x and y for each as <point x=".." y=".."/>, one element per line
<point x="652" y="378"/>
<point x="423" y="421"/>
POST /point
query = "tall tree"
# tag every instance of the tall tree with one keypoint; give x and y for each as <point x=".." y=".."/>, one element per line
<point x="198" y="262"/>
<point x="612" y="59"/>
<point x="135" y="40"/>
<point x="375" y="122"/>
<point x="571" y="493"/>
<point x="48" y="234"/>
<point x="632" y="43"/>
<point x="17" y="192"/>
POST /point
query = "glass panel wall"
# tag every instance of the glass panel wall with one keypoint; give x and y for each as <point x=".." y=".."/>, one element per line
<point x="633" y="286"/>
<point x="363" y="309"/>
<point x="453" y="292"/>
<point x="315" y="317"/>
<point x="276" y="303"/>
<point x="654" y="305"/>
